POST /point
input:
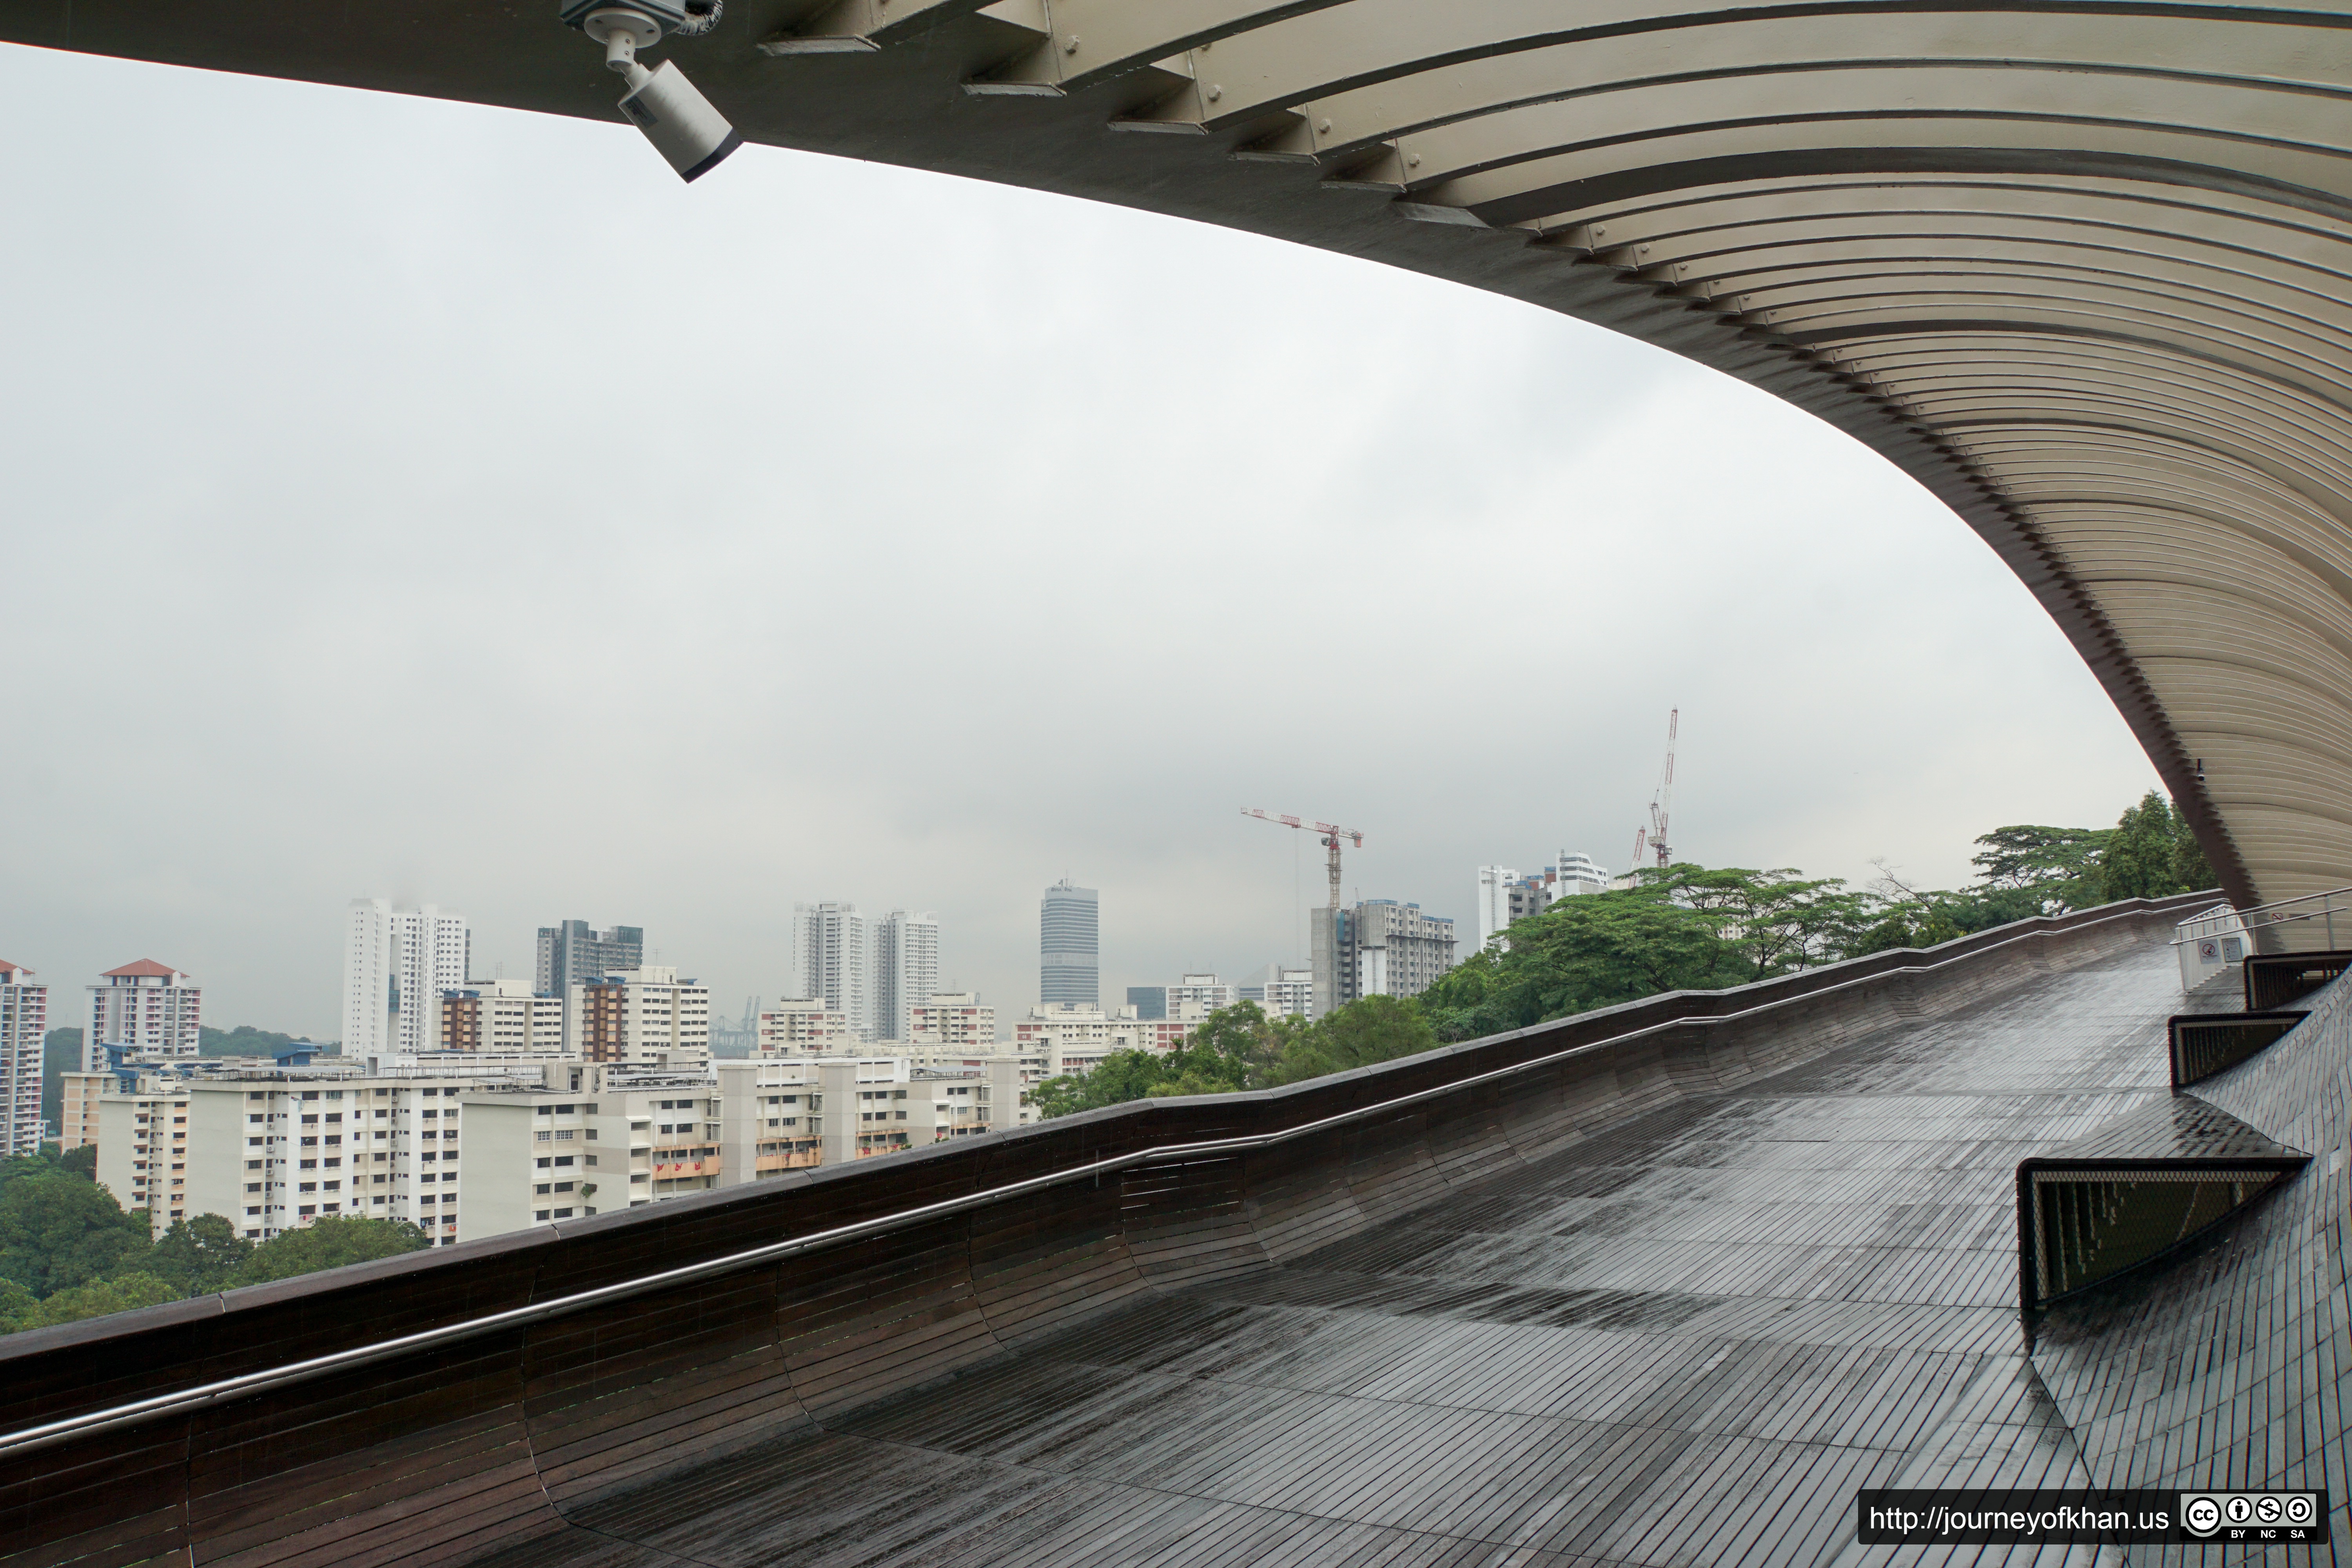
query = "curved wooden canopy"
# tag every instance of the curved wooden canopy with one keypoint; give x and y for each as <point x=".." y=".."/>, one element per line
<point x="2084" y="269"/>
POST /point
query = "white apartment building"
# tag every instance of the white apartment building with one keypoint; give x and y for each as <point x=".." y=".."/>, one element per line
<point x="804" y="1024"/>
<point x="767" y="1119"/>
<point x="23" y="1027"/>
<point x="832" y="951"/>
<point x="1572" y="876"/>
<point x="274" y="1149"/>
<point x="143" y="1149"/>
<point x="590" y="1139"/>
<point x="906" y="969"/>
<point x="1203" y="994"/>
<point x="77" y="1108"/>
<point x="502" y="1016"/>
<point x="1505" y="896"/>
<point x="1071" y="1037"/>
<point x="953" y="1020"/>
<point x="397" y="963"/>
<point x="148" y="1010"/>
<point x="783" y="1116"/>
<point x="1283" y="992"/>
<point x="542" y="1138"/>
<point x="644" y="1018"/>
<point x="1494" y="902"/>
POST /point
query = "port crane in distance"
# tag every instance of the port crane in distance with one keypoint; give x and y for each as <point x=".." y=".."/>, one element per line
<point x="1330" y="836"/>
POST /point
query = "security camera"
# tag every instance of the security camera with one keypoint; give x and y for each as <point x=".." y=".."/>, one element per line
<point x="678" y="120"/>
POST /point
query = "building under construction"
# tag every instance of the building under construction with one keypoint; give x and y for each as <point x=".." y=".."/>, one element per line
<point x="1377" y="948"/>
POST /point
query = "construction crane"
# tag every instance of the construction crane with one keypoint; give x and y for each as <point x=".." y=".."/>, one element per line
<point x="1661" y="806"/>
<point x="1331" y="836"/>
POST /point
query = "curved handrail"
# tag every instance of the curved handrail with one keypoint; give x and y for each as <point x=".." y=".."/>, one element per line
<point x="203" y="1395"/>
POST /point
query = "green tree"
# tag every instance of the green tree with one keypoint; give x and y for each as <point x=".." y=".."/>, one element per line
<point x="1778" y="920"/>
<point x="1593" y="950"/>
<point x="57" y="1231"/>
<point x="60" y="1054"/>
<point x="1240" y="1048"/>
<point x="2139" y="860"/>
<point x="81" y="1162"/>
<point x="1235" y="1047"/>
<point x="2058" y="866"/>
<point x="331" y="1241"/>
<point x="95" y="1299"/>
<point x="1370" y="1029"/>
<point x="2192" y="872"/>
<point x="197" y="1257"/>
<point x="1118" y="1078"/>
<point x="245" y="1040"/>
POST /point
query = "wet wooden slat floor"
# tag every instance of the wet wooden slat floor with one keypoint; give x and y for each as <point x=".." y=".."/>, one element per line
<point x="1690" y="1339"/>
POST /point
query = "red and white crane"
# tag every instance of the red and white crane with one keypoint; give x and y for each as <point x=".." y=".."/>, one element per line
<point x="1661" y="806"/>
<point x="1331" y="836"/>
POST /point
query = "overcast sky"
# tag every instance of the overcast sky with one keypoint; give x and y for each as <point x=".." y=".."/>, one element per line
<point x="413" y="499"/>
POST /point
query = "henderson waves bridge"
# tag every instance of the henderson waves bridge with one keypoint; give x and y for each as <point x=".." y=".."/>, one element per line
<point x="1665" y="1284"/>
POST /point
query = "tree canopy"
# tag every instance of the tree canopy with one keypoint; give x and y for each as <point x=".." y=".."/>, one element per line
<point x="1594" y="950"/>
<point x="245" y="1040"/>
<point x="68" y="1251"/>
<point x="1680" y="928"/>
<point x="331" y="1241"/>
<point x="197" y="1257"/>
<point x="1240" y="1048"/>
<point x="2061" y="865"/>
<point x="58" y="1231"/>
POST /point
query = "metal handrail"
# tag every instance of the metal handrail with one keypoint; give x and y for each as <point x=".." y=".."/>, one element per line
<point x="203" y="1395"/>
<point x="2280" y="912"/>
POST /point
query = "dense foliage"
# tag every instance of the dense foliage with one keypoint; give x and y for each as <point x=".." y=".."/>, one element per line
<point x="1240" y="1048"/>
<point x="245" y="1040"/>
<point x="60" y="1054"/>
<point x="68" y="1250"/>
<point x="1682" y="928"/>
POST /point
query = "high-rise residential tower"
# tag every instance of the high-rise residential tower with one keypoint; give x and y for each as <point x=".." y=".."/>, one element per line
<point x="499" y="1017"/>
<point x="832" y="953"/>
<point x="24" y="1024"/>
<point x="906" y="969"/>
<point x="955" y="1020"/>
<point x="1389" y="949"/>
<point x="146" y="1009"/>
<point x="577" y="950"/>
<point x="396" y="964"/>
<point x="1069" y="945"/>
<point x="1494" y="901"/>
<point x="645" y="1017"/>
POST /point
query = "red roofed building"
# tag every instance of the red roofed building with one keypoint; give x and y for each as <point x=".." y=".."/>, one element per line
<point x="23" y="1024"/>
<point x="147" y="1009"/>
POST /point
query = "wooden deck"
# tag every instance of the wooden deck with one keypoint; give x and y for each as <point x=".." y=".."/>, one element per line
<point x="1686" y="1339"/>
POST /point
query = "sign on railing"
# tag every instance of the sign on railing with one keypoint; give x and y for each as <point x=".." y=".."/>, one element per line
<point x="2222" y="936"/>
